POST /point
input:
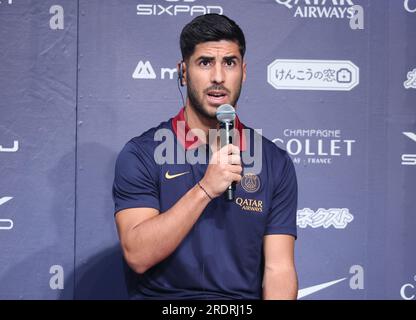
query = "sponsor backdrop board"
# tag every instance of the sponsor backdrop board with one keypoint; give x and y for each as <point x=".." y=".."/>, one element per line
<point x="332" y="82"/>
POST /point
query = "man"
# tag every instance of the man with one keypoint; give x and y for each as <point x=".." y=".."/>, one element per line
<point x="179" y="235"/>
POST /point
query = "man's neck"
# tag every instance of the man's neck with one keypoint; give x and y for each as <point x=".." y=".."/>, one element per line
<point x="195" y="121"/>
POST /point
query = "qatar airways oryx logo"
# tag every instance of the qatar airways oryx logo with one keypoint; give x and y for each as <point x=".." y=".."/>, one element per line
<point x="176" y="8"/>
<point x="145" y="71"/>
<point x="338" y="218"/>
<point x="13" y="148"/>
<point x="333" y="75"/>
<point x="5" y="224"/>
<point x="327" y="9"/>
<point x="315" y="146"/>
<point x="356" y="282"/>
<point x="408" y="290"/>
<point x="410" y="158"/>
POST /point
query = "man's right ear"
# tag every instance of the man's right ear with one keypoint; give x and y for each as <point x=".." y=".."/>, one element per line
<point x="181" y="73"/>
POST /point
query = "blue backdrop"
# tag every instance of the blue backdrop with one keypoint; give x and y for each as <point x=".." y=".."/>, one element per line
<point x="332" y="82"/>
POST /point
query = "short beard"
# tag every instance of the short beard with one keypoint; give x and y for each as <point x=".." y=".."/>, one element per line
<point x="197" y="105"/>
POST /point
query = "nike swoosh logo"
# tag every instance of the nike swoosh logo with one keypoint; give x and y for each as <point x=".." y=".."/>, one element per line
<point x="173" y="176"/>
<point x="307" y="291"/>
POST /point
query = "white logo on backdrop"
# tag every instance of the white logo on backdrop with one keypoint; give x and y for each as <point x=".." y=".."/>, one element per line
<point x="407" y="291"/>
<point x="334" y="75"/>
<point x="409" y="159"/>
<point x="56" y="282"/>
<point x="5" y="224"/>
<point x="411" y="80"/>
<point x="145" y="71"/>
<point x="7" y="2"/>
<point x="410" y="6"/>
<point x="315" y="146"/>
<point x="176" y="7"/>
<point x="15" y="147"/>
<point x="56" y="22"/>
<point x="335" y="9"/>
<point x="356" y="282"/>
<point x="357" y="19"/>
<point x="3" y="200"/>
<point x="333" y="217"/>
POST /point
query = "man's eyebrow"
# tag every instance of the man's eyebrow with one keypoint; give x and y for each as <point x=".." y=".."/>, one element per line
<point x="230" y="58"/>
<point x="211" y="58"/>
<point x="206" y="58"/>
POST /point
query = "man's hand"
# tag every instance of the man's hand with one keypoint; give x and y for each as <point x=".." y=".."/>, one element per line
<point x="223" y="169"/>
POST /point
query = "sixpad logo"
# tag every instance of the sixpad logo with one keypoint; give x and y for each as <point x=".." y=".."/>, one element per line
<point x="409" y="159"/>
<point x="145" y="71"/>
<point x="176" y="8"/>
<point x="315" y="146"/>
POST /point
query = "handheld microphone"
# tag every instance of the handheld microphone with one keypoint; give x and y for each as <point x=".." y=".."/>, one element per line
<point x="226" y="115"/>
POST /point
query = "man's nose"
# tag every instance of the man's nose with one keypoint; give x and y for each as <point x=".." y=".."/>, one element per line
<point x="217" y="74"/>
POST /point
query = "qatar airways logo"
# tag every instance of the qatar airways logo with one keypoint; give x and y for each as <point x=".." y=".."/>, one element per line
<point x="177" y="8"/>
<point x="327" y="9"/>
<point x="315" y="146"/>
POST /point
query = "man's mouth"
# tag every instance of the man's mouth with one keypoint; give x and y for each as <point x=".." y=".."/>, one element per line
<point x="217" y="96"/>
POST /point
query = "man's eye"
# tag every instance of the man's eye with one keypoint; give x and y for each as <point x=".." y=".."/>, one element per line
<point x="229" y="63"/>
<point x="204" y="63"/>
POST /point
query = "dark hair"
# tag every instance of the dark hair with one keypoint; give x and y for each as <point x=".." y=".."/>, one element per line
<point x="210" y="27"/>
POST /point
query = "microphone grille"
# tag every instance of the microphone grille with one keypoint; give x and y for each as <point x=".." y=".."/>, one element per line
<point x="225" y="113"/>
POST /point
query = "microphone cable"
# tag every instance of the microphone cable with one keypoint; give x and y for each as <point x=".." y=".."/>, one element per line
<point x="180" y="91"/>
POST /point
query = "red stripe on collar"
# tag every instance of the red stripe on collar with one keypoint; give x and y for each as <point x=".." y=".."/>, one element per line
<point x="181" y="131"/>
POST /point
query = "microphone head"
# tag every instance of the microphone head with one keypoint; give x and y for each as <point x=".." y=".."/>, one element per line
<point x="225" y="113"/>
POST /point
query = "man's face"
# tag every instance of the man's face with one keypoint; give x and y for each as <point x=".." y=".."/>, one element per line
<point x="214" y="74"/>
